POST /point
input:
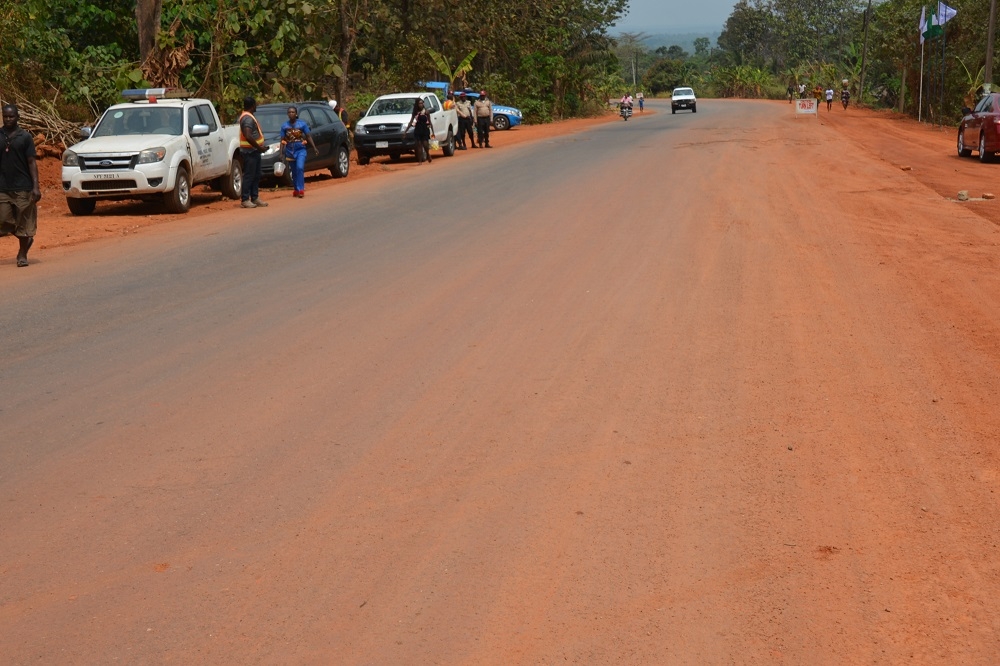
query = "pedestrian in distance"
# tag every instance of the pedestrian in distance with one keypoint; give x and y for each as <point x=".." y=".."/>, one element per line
<point x="484" y="118"/>
<point x="845" y="97"/>
<point x="20" y="191"/>
<point x="802" y="91"/>
<point x="295" y="135"/>
<point x="423" y="130"/>
<point x="818" y="94"/>
<point x="829" y="99"/>
<point x="791" y="92"/>
<point x="251" y="147"/>
<point x="642" y="101"/>
<point x="463" y="107"/>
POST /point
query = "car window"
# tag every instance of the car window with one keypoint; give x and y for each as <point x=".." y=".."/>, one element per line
<point x="206" y="117"/>
<point x="433" y="105"/>
<point x="323" y="116"/>
<point x="391" y="107"/>
<point x="311" y="118"/>
<point x="983" y="104"/>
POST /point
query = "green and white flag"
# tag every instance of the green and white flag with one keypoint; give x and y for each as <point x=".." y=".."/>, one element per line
<point x="932" y="29"/>
<point x="923" y="23"/>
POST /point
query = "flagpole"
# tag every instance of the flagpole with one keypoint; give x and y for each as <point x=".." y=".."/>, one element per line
<point x="920" y="103"/>
<point x="944" y="41"/>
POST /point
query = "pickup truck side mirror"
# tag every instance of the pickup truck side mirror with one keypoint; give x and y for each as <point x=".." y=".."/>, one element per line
<point x="199" y="130"/>
<point x="966" y="110"/>
<point x="86" y="131"/>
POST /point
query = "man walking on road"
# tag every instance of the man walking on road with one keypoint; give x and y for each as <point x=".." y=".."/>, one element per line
<point x="19" y="187"/>
<point x="251" y="147"/>
<point x="484" y="118"/>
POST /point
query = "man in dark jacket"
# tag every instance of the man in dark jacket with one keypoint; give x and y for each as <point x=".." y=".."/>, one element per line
<point x="19" y="188"/>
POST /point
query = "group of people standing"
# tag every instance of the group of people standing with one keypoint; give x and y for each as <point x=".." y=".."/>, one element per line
<point x="820" y="94"/>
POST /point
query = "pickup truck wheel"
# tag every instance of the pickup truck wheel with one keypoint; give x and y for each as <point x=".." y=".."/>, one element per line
<point x="232" y="184"/>
<point x="178" y="200"/>
<point x="395" y="157"/>
<point x="343" y="163"/>
<point x="449" y="144"/>
<point x="81" y="206"/>
<point x="501" y="123"/>
<point x="363" y="159"/>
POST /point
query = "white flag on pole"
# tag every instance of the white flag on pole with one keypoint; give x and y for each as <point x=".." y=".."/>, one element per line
<point x="923" y="23"/>
<point x="945" y="13"/>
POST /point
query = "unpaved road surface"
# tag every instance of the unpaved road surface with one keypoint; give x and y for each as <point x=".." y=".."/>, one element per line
<point x="693" y="389"/>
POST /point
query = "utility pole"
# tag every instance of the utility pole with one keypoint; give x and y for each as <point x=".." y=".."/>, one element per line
<point x="864" y="54"/>
<point x="988" y="72"/>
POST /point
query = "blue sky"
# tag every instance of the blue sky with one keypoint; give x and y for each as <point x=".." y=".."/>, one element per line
<point x="668" y="16"/>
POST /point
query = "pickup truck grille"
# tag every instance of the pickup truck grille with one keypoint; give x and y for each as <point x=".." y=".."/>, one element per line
<point x="101" y="185"/>
<point x="107" y="162"/>
<point x="393" y="128"/>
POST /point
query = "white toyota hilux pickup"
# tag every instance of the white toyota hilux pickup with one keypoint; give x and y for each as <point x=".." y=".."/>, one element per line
<point x="156" y="146"/>
<point x="383" y="128"/>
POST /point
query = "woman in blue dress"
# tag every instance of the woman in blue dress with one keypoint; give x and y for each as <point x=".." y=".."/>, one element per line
<point x="294" y="135"/>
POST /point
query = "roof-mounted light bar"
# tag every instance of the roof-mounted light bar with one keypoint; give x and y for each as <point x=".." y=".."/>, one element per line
<point x="152" y="94"/>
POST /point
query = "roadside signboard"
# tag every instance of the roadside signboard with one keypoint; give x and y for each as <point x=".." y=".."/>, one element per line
<point x="804" y="106"/>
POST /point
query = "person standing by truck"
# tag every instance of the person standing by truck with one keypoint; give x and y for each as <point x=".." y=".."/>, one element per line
<point x="19" y="188"/>
<point x="423" y="129"/>
<point x="251" y="147"/>
<point x="463" y="107"/>
<point x="484" y="118"/>
<point x="294" y="136"/>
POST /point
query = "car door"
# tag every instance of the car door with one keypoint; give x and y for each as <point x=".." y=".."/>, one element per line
<point x="207" y="152"/>
<point x="438" y="119"/>
<point x="320" y="126"/>
<point x="971" y="135"/>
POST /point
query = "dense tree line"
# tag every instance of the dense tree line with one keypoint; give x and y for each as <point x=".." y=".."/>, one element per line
<point x="767" y="44"/>
<point x="553" y="58"/>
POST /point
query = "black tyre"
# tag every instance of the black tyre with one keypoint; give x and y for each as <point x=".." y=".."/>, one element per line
<point x="232" y="183"/>
<point x="343" y="163"/>
<point x="501" y="123"/>
<point x="395" y="157"/>
<point x="694" y="109"/>
<point x="984" y="156"/>
<point x="673" y="110"/>
<point x="963" y="151"/>
<point x="363" y="159"/>
<point x="81" y="206"/>
<point x="449" y="144"/>
<point x="178" y="200"/>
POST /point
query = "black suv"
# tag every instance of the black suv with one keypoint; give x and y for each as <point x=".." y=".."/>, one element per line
<point x="328" y="132"/>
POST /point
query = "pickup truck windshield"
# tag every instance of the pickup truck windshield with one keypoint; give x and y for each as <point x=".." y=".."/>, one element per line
<point x="144" y="119"/>
<point x="392" y="107"/>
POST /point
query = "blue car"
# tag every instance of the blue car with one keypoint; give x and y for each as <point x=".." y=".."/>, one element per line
<point x="504" y="117"/>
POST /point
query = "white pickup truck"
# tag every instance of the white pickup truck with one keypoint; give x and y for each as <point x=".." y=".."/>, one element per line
<point x="382" y="130"/>
<point x="158" y="145"/>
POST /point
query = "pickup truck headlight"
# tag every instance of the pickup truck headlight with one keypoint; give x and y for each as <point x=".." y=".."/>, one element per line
<point x="70" y="159"/>
<point x="272" y="149"/>
<point x="152" y="155"/>
<point x="360" y="129"/>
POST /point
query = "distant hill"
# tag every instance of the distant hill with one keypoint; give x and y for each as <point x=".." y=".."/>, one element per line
<point x="685" y="40"/>
<point x="657" y="38"/>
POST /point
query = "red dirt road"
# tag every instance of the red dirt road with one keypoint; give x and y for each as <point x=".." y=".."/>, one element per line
<point x="737" y="406"/>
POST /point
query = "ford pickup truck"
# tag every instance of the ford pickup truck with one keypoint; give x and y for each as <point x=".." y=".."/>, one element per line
<point x="382" y="130"/>
<point x="158" y="145"/>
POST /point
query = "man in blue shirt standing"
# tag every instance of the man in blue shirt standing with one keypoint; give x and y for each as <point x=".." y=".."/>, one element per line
<point x="294" y="135"/>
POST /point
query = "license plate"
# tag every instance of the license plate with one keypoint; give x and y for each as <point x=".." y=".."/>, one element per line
<point x="381" y="144"/>
<point x="104" y="176"/>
